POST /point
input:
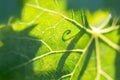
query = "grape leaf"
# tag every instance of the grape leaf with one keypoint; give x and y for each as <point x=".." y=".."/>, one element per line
<point x="50" y="43"/>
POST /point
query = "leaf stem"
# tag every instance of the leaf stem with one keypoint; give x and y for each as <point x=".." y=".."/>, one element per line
<point x="78" y="67"/>
<point x="50" y="49"/>
<point x="33" y="21"/>
<point x="44" y="55"/>
<point x="64" y="76"/>
<point x="110" y="43"/>
<point x="110" y="29"/>
<point x="99" y="69"/>
<point x="46" y="45"/>
<point x="97" y="59"/>
<point x="57" y="13"/>
<point x="106" y="75"/>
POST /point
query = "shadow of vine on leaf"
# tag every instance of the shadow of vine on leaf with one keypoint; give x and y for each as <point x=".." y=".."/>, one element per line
<point x="117" y="60"/>
<point x="87" y="59"/>
<point x="59" y="70"/>
<point x="10" y="8"/>
<point x="16" y="50"/>
<point x="71" y="46"/>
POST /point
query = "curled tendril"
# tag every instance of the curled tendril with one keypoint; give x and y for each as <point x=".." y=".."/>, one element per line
<point x="67" y="32"/>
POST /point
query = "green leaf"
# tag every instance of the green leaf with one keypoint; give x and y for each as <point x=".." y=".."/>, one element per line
<point x="50" y="43"/>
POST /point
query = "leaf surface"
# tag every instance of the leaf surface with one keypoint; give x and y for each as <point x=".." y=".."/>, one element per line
<point x="50" y="43"/>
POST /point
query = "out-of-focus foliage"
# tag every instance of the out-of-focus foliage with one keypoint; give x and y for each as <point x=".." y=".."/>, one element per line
<point x="10" y="8"/>
<point x="94" y="5"/>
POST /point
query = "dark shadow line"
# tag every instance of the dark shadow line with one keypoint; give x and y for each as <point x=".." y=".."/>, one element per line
<point x="117" y="59"/>
<point x="75" y="24"/>
<point x="65" y="55"/>
<point x="87" y="59"/>
<point x="84" y="19"/>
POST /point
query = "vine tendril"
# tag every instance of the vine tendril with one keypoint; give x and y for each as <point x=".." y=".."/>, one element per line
<point x="67" y="32"/>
